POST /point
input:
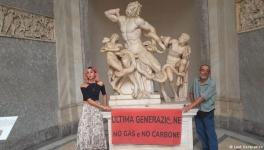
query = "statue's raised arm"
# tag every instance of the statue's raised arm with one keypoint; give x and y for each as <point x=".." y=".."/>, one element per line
<point x="113" y="14"/>
<point x="150" y="31"/>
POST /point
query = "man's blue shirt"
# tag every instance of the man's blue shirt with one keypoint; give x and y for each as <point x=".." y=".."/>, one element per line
<point x="207" y="90"/>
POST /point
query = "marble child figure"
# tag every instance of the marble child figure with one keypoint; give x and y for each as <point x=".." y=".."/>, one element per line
<point x="177" y="63"/>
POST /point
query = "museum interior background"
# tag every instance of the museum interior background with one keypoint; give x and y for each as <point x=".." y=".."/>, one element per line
<point x="40" y="78"/>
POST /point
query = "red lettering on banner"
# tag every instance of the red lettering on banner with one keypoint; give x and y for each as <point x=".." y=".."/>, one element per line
<point x="146" y="126"/>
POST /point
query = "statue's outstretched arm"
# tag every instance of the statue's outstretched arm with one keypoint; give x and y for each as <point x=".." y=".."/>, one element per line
<point x="113" y="14"/>
<point x="151" y="31"/>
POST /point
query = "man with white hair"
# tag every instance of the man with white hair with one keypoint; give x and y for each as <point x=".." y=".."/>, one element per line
<point x="202" y="94"/>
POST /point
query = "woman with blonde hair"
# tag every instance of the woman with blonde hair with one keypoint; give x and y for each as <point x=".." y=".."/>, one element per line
<point x="90" y="134"/>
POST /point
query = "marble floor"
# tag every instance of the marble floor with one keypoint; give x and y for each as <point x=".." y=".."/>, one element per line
<point x="227" y="140"/>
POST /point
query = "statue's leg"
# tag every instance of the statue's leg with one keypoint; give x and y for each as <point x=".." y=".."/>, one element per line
<point x="163" y="92"/>
<point x="120" y="82"/>
<point x="113" y="62"/>
<point x="180" y="79"/>
<point x="180" y="91"/>
<point x="148" y="59"/>
<point x="171" y="82"/>
<point x="136" y="85"/>
<point x="142" y="81"/>
<point x="182" y="67"/>
<point x="116" y="85"/>
<point x="174" y="89"/>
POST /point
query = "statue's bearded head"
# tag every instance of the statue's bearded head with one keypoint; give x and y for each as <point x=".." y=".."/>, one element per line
<point x="133" y="9"/>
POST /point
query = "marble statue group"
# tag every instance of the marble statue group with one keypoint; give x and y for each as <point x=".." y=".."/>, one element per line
<point x="132" y="66"/>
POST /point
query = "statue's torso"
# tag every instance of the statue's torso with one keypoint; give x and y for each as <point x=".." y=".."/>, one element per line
<point x="175" y="53"/>
<point x="131" y="34"/>
<point x="186" y="52"/>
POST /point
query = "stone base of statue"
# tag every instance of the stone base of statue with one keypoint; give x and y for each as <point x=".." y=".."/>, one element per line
<point x="126" y="101"/>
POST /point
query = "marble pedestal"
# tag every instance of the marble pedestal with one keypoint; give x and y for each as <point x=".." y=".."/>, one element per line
<point x="119" y="101"/>
<point x="187" y="129"/>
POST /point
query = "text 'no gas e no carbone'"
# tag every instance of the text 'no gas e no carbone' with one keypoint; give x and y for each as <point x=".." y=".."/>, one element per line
<point x="146" y="126"/>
